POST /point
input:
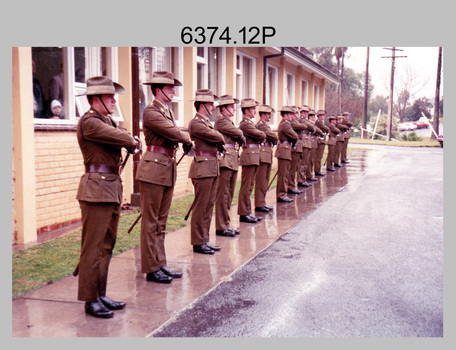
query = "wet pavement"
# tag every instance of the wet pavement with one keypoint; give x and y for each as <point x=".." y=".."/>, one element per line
<point x="53" y="311"/>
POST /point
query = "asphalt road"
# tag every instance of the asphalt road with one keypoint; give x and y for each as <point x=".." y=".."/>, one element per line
<point x="367" y="263"/>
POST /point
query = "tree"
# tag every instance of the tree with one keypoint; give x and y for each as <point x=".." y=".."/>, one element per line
<point x="420" y="106"/>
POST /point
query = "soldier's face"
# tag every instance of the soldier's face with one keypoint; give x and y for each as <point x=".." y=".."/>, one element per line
<point x="169" y="91"/>
<point x="231" y="109"/>
<point x="110" y="102"/>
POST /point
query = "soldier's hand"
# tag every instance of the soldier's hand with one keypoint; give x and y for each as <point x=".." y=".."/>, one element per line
<point x="221" y="147"/>
<point x="187" y="147"/>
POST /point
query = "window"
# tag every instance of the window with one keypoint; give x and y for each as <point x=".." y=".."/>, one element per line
<point x="59" y="75"/>
<point x="316" y="98"/>
<point x="153" y="59"/>
<point x="271" y="91"/>
<point x="304" y="92"/>
<point x="245" y="78"/>
<point x="290" y="90"/>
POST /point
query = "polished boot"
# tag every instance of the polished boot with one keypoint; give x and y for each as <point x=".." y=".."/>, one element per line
<point x="213" y="247"/>
<point x="330" y="169"/>
<point x="304" y="184"/>
<point x="226" y="233"/>
<point x="98" y="309"/>
<point x="319" y="174"/>
<point x="294" y="191"/>
<point x="111" y="304"/>
<point x="337" y="165"/>
<point x="203" y="249"/>
<point x="313" y="179"/>
<point x="248" y="218"/>
<point x="269" y="207"/>
<point x="262" y="209"/>
<point x="159" y="277"/>
<point x="236" y="232"/>
<point x="284" y="199"/>
<point x="171" y="273"/>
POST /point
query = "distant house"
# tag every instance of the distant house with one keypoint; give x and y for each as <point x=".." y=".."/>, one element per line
<point x="47" y="163"/>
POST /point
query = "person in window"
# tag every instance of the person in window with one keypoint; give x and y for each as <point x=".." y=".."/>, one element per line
<point x="204" y="170"/>
<point x="56" y="88"/>
<point x="250" y="159"/>
<point x="100" y="193"/>
<point x="38" y="96"/>
<point x="157" y="174"/>
<point x="56" y="110"/>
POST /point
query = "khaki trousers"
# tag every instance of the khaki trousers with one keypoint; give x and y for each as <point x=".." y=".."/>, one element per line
<point x="248" y="176"/>
<point x="343" y="153"/>
<point x="310" y="163"/>
<point x="283" y="176"/>
<point x="303" y="167"/>
<point x="261" y="184"/>
<point x="331" y="157"/>
<point x="337" y="157"/>
<point x="203" y="206"/>
<point x="99" y="233"/>
<point x="155" y="204"/>
<point x="319" y="156"/>
<point x="294" y="169"/>
<point x="225" y="192"/>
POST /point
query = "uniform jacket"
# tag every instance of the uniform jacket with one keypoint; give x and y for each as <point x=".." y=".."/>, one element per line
<point x="251" y="155"/>
<point x="298" y="127"/>
<point x="343" y="128"/>
<point x="321" y="125"/>
<point x="232" y="136"/>
<point x="206" y="139"/>
<point x="160" y="130"/>
<point x="271" y="140"/>
<point x="333" y="132"/>
<point x="287" y="137"/>
<point x="101" y="142"/>
<point x="306" y="133"/>
<point x="348" y="132"/>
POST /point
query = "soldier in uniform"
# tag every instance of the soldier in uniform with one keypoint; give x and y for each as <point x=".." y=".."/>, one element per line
<point x="264" y="170"/>
<point x="229" y="164"/>
<point x="287" y="139"/>
<point x="313" y="148"/>
<point x="332" y="143"/>
<point x="347" y="136"/>
<point x="296" y="153"/>
<point x="320" y="124"/>
<point x="100" y="193"/>
<point x="250" y="159"/>
<point x="204" y="170"/>
<point x="306" y="147"/>
<point x="157" y="175"/>
<point x="340" y="140"/>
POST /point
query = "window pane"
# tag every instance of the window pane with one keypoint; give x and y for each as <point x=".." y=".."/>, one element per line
<point x="214" y="62"/>
<point x="246" y="75"/>
<point x="47" y="80"/>
<point x="200" y="51"/>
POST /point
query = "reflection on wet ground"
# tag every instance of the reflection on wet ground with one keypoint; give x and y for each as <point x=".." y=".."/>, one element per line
<point x="53" y="311"/>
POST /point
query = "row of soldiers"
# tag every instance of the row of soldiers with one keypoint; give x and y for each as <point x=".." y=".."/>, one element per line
<point x="218" y="150"/>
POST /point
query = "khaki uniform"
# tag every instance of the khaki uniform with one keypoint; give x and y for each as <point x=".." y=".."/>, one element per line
<point x="250" y="161"/>
<point x="264" y="170"/>
<point x="100" y="196"/>
<point x="340" y="141"/>
<point x="347" y="136"/>
<point x="332" y="144"/>
<point x="204" y="172"/>
<point x="321" y="144"/>
<point x="287" y="137"/>
<point x="306" y="148"/>
<point x="296" y="154"/>
<point x="312" y="153"/>
<point x="229" y="164"/>
<point x="157" y="175"/>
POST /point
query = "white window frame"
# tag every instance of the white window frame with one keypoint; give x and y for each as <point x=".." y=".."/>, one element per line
<point x="316" y="97"/>
<point x="289" y="97"/>
<point x="272" y="90"/>
<point x="304" y="92"/>
<point x="239" y="75"/>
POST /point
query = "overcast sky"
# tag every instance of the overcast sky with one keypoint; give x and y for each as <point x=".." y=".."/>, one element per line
<point x="421" y="62"/>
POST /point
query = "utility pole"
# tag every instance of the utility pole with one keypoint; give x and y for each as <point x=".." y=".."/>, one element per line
<point x="366" y="97"/>
<point x="390" y="109"/>
<point x="437" y="95"/>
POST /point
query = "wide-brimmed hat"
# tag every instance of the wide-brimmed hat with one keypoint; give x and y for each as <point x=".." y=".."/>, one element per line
<point x="311" y="112"/>
<point x="305" y="108"/>
<point x="332" y="117"/>
<point x="163" y="77"/>
<point x="102" y="85"/>
<point x="205" y="95"/>
<point x="227" y="100"/>
<point x="249" y="102"/>
<point x="287" y="109"/>
<point x="321" y="112"/>
<point x="266" y="109"/>
<point x="346" y="113"/>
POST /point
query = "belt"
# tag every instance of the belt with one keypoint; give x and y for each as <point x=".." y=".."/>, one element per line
<point x="163" y="150"/>
<point x="268" y="144"/>
<point x="285" y="142"/>
<point x="230" y="145"/>
<point x="102" y="168"/>
<point x="206" y="153"/>
<point x="251" y="145"/>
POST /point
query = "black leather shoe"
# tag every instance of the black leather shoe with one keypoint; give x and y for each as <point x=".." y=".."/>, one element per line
<point x="171" y="273"/>
<point x="330" y="169"/>
<point x="213" y="247"/>
<point x="159" y="277"/>
<point x="98" y="309"/>
<point x="226" y="233"/>
<point x="111" y="304"/>
<point x="284" y="199"/>
<point x="203" y="249"/>
<point x="304" y="184"/>
<point x="345" y="161"/>
<point x="248" y="218"/>
<point x="236" y="232"/>
<point x="319" y="174"/>
<point x="294" y="191"/>
<point x="337" y="165"/>
<point x="268" y="207"/>
<point x="262" y="209"/>
<point x="313" y="179"/>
